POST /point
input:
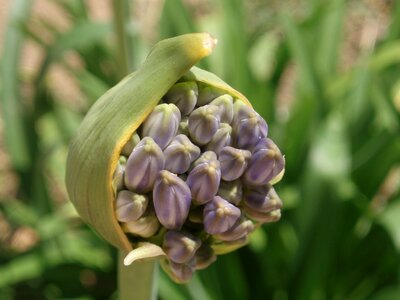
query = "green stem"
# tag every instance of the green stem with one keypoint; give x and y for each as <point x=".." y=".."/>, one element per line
<point x="121" y="18"/>
<point x="137" y="281"/>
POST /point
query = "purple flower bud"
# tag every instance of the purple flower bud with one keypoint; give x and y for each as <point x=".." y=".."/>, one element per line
<point x="132" y="142"/>
<point x="225" y="105"/>
<point x="143" y="165"/>
<point x="118" y="176"/>
<point x="262" y="199"/>
<point x="249" y="127"/>
<point x="204" y="157"/>
<point x="204" y="256"/>
<point x="146" y="226"/>
<point x="184" y="96"/>
<point x="263" y="217"/>
<point x="182" y="272"/>
<point x="180" y="247"/>
<point x="233" y="162"/>
<point x="222" y="138"/>
<point x="219" y="215"/>
<point x="162" y="124"/>
<point x="179" y="154"/>
<point x="171" y="197"/>
<point x="203" y="181"/>
<point x="203" y="124"/>
<point x="130" y="206"/>
<point x="231" y="191"/>
<point x="207" y="93"/>
<point x="265" y="164"/>
<point x="239" y="230"/>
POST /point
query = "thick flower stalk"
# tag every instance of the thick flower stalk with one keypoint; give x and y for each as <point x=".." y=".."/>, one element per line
<point x="173" y="163"/>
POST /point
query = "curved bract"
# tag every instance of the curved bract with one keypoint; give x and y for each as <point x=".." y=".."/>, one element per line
<point x="94" y="152"/>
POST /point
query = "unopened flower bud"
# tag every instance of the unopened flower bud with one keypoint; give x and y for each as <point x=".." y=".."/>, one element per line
<point x="233" y="162"/>
<point x="239" y="230"/>
<point x="262" y="199"/>
<point x="184" y="96"/>
<point x="222" y="138"/>
<point x="203" y="181"/>
<point x="263" y="217"/>
<point x="172" y="198"/>
<point x="219" y="215"/>
<point x="118" y="176"/>
<point x="207" y="93"/>
<point x="204" y="256"/>
<point x="180" y="247"/>
<point x="203" y="124"/>
<point x="130" y="206"/>
<point x="249" y="126"/>
<point x="182" y="272"/>
<point x="231" y="191"/>
<point x="265" y="164"/>
<point x="130" y="145"/>
<point x="143" y="165"/>
<point x="225" y="105"/>
<point x="204" y="157"/>
<point x="162" y="124"/>
<point x="146" y="226"/>
<point x="179" y="154"/>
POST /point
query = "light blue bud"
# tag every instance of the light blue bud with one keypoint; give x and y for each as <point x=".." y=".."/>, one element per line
<point x="222" y="138"/>
<point x="248" y="126"/>
<point x="203" y="181"/>
<point x="239" y="230"/>
<point x="203" y="124"/>
<point x="184" y="96"/>
<point x="180" y="247"/>
<point x="265" y="164"/>
<point x="171" y="198"/>
<point x="262" y="199"/>
<point x="130" y="206"/>
<point x="233" y="162"/>
<point x="179" y="154"/>
<point x="231" y="191"/>
<point x="225" y="105"/>
<point x="162" y="124"/>
<point x="219" y="215"/>
<point x="143" y="165"/>
<point x="204" y="157"/>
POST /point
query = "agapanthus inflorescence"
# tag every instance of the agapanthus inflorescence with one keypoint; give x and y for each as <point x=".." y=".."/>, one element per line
<point x="197" y="175"/>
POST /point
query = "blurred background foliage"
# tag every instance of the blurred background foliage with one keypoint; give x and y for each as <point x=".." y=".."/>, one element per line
<point x="324" y="74"/>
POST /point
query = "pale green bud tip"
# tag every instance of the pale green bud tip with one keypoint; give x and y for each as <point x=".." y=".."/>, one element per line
<point x="145" y="226"/>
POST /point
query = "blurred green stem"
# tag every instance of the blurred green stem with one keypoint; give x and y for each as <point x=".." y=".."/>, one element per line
<point x="137" y="281"/>
<point x="121" y="13"/>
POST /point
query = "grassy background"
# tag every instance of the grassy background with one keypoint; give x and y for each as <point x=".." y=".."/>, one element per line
<point x="324" y="74"/>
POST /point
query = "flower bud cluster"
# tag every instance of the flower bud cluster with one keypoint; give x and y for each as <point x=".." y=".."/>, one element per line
<point x="197" y="174"/>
